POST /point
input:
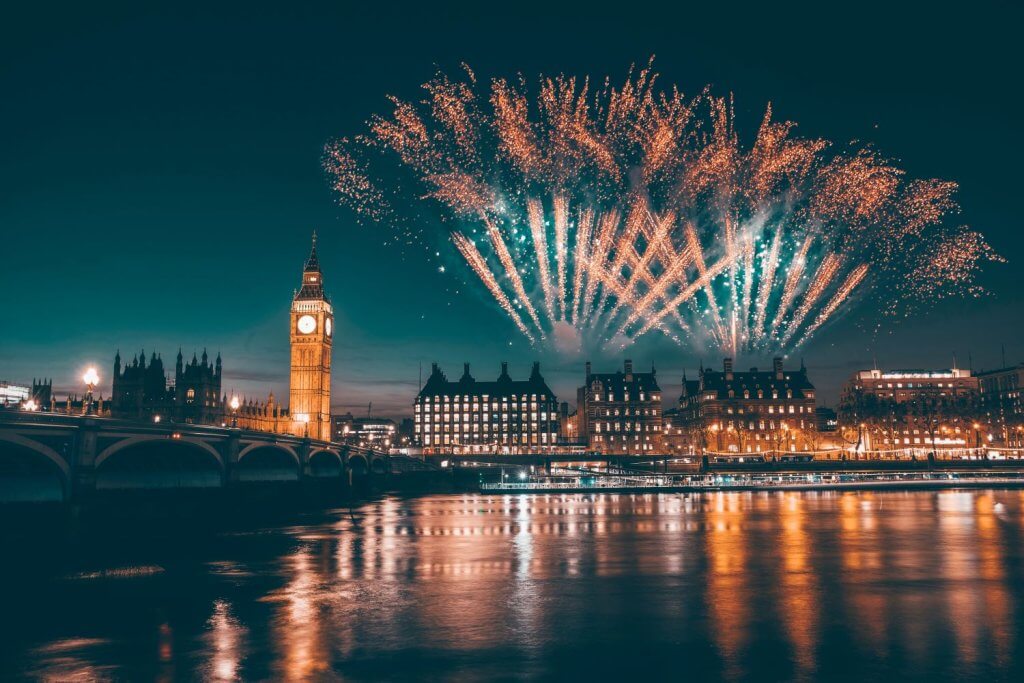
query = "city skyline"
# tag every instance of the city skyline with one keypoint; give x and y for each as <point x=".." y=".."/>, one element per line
<point x="204" y="182"/>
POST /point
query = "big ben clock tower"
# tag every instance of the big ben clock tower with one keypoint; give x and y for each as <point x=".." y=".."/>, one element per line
<point x="312" y="319"/>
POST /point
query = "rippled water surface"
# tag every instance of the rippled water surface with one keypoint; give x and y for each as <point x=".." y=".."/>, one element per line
<point x="774" y="586"/>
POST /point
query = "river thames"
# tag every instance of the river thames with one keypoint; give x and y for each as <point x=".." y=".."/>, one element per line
<point x="734" y="586"/>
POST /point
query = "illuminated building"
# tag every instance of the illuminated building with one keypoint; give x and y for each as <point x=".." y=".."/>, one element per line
<point x="260" y="416"/>
<point x="1001" y="402"/>
<point x="907" y="385"/>
<point x="620" y="412"/>
<point x="568" y="426"/>
<point x="13" y="394"/>
<point x="749" y="412"/>
<point x="504" y="416"/>
<point x="312" y="334"/>
<point x="679" y="438"/>
<point x="911" y="408"/>
<point x="369" y="432"/>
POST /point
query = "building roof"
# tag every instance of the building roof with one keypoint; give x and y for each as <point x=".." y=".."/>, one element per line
<point x="752" y="381"/>
<point x="312" y="278"/>
<point x="618" y="382"/>
<point x="438" y="384"/>
<point x="1001" y="371"/>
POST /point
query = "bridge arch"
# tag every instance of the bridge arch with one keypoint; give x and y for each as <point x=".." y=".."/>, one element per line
<point x="146" y="462"/>
<point x="32" y="471"/>
<point x="269" y="444"/>
<point x="358" y="464"/>
<point x="139" y="440"/>
<point x="266" y="462"/>
<point x="325" y="462"/>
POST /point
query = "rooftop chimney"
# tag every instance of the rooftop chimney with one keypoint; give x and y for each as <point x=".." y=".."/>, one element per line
<point x="629" y="370"/>
<point x="727" y="367"/>
<point x="777" y="366"/>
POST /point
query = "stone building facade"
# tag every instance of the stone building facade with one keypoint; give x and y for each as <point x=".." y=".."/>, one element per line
<point x="620" y="412"/>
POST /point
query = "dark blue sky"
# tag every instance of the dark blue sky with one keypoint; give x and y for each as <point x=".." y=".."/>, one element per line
<point x="160" y="171"/>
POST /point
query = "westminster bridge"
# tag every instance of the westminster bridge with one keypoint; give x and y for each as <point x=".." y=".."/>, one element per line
<point x="48" y="457"/>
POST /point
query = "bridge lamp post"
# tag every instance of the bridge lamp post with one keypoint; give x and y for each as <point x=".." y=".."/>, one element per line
<point x="31" y="406"/>
<point x="234" y="412"/>
<point x="91" y="379"/>
<point x="304" y="419"/>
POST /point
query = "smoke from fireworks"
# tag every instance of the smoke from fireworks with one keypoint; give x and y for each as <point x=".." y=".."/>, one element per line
<point x="599" y="215"/>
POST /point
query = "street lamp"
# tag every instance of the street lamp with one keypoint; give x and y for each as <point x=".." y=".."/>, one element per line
<point x="234" y="411"/>
<point x="304" y="419"/>
<point x="31" y="406"/>
<point x="91" y="379"/>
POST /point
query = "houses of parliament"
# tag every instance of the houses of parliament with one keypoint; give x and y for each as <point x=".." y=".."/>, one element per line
<point x="141" y="389"/>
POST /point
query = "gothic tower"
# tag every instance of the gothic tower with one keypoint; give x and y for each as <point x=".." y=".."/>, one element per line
<point x="312" y="332"/>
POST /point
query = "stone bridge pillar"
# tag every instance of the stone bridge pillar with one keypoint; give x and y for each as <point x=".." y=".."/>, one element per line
<point x="83" y="461"/>
<point x="304" y="449"/>
<point x="231" y="454"/>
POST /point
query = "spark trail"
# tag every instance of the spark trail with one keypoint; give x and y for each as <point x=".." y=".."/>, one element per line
<point x="620" y="210"/>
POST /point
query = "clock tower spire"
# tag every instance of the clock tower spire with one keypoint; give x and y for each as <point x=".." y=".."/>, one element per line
<point x="312" y="323"/>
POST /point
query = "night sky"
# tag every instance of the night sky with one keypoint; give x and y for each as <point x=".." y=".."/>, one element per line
<point x="160" y="174"/>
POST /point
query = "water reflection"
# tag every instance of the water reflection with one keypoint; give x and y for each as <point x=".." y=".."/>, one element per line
<point x="735" y="584"/>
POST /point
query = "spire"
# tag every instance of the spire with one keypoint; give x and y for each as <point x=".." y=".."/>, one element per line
<point x="312" y="279"/>
<point x="313" y="262"/>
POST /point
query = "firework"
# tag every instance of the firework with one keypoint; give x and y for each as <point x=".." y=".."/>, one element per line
<point x="619" y="211"/>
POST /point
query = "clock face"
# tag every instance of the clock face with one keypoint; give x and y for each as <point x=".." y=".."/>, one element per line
<point x="307" y="324"/>
<point x="329" y="326"/>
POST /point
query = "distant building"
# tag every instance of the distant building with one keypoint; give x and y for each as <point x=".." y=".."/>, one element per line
<point x="881" y="410"/>
<point x="1001" y="402"/>
<point x="368" y="432"/>
<point x="406" y="432"/>
<point x="569" y="426"/>
<point x="341" y="426"/>
<point x="902" y="386"/>
<point x="42" y="393"/>
<point x="256" y="415"/>
<point x="620" y="412"/>
<point x="141" y="391"/>
<point x="13" y="394"/>
<point x="826" y="419"/>
<point x="750" y="412"/>
<point x="503" y="416"/>
<point x="679" y="438"/>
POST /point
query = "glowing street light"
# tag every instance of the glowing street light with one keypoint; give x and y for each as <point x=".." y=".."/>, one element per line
<point x="91" y="379"/>
<point x="304" y="419"/>
<point x="30" y="405"/>
<point x="234" y="411"/>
